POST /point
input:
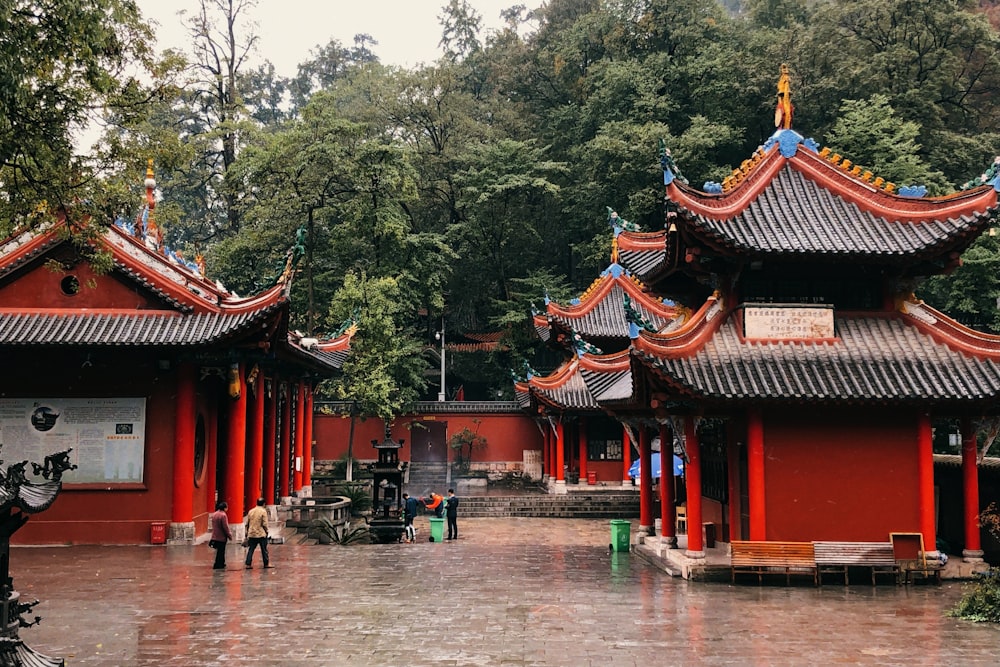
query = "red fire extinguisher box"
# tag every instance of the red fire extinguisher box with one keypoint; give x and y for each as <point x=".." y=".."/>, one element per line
<point x="158" y="532"/>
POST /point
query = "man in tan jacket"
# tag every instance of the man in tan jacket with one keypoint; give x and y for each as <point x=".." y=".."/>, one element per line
<point x="256" y="527"/>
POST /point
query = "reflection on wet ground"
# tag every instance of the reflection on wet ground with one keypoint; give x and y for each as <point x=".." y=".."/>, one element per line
<point x="512" y="592"/>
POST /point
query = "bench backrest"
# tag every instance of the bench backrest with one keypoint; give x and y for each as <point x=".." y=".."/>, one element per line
<point x="774" y="554"/>
<point x="854" y="553"/>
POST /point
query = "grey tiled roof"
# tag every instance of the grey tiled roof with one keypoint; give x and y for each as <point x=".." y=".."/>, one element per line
<point x="328" y="358"/>
<point x="794" y="215"/>
<point x="876" y="359"/>
<point x="571" y="394"/>
<point x="123" y="329"/>
<point x="609" y="385"/>
<point x="607" y="318"/>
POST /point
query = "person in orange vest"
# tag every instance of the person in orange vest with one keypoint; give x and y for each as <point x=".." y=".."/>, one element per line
<point x="435" y="503"/>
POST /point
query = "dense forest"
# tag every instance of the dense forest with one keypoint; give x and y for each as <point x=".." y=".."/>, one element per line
<point x="461" y="193"/>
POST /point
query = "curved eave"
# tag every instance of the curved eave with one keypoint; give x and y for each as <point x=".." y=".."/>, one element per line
<point x="19" y="249"/>
<point x="609" y="377"/>
<point x="642" y="253"/>
<point x="867" y="197"/>
<point x="602" y="314"/>
<point x="177" y="285"/>
<point x="881" y="359"/>
<point x="687" y="338"/>
<point x="325" y="357"/>
<point x="564" y="389"/>
<point x="947" y="331"/>
<point x="805" y="207"/>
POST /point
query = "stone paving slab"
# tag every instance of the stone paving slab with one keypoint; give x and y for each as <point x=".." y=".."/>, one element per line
<point x="510" y="592"/>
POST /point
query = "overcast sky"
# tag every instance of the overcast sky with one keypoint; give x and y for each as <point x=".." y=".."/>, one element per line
<point x="407" y="31"/>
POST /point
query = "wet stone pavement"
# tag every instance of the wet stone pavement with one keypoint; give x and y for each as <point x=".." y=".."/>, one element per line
<point x="509" y="592"/>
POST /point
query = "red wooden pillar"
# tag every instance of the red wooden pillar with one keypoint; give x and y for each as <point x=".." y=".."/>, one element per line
<point x="270" y="439"/>
<point x="733" y="481"/>
<point x="973" y="551"/>
<point x="286" y="442"/>
<point x="308" y="439"/>
<point x="255" y="462"/>
<point x="560" y="451"/>
<point x="695" y="546"/>
<point x="300" y="408"/>
<point x="626" y="454"/>
<point x="549" y="448"/>
<point x="645" y="483"/>
<point x="925" y="482"/>
<point x="236" y="444"/>
<point x="212" y="458"/>
<point x="755" y="475"/>
<point x="184" y="425"/>
<point x="582" y="435"/>
<point x="668" y="520"/>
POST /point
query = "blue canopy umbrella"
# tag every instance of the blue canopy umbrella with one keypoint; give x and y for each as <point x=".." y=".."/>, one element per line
<point x="633" y="471"/>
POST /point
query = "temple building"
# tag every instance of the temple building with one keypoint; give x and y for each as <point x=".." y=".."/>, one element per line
<point x="802" y="383"/>
<point x="171" y="392"/>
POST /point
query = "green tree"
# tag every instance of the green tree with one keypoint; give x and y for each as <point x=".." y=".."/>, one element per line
<point x="871" y="134"/>
<point x="62" y="60"/>
<point x="384" y="372"/>
<point x="971" y="292"/>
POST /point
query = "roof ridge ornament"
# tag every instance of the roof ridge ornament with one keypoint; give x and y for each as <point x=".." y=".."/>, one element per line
<point x="619" y="224"/>
<point x="670" y="168"/>
<point x="991" y="176"/>
<point x="633" y="316"/>
<point x="784" y="108"/>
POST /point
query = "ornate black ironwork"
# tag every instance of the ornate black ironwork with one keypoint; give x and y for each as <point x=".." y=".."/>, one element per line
<point x="20" y="497"/>
<point x="386" y="524"/>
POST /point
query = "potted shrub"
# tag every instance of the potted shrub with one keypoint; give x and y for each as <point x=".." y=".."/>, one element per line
<point x="465" y="442"/>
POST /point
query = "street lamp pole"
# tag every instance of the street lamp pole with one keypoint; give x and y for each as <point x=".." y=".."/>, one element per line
<point x="440" y="336"/>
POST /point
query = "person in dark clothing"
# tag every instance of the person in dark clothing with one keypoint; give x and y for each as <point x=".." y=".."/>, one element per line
<point x="220" y="534"/>
<point x="451" y="509"/>
<point x="409" y="514"/>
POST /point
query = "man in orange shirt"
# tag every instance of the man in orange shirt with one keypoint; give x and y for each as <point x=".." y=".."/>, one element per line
<point x="435" y="503"/>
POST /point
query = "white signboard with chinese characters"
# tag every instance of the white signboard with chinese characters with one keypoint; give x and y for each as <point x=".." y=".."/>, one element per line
<point x="107" y="436"/>
<point x="787" y="322"/>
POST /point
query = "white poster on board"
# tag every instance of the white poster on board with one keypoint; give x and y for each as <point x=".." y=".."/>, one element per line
<point x="107" y="436"/>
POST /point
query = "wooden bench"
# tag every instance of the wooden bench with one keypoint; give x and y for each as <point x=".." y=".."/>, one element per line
<point x="762" y="558"/>
<point x="912" y="558"/>
<point x="839" y="557"/>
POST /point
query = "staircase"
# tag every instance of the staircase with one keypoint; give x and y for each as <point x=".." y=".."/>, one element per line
<point x="425" y="477"/>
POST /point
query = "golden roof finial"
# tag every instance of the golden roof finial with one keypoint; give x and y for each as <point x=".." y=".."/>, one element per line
<point x="150" y="184"/>
<point x="783" y="112"/>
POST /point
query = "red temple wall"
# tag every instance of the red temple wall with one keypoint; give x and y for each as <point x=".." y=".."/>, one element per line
<point x="835" y="475"/>
<point x="507" y="435"/>
<point x="106" y="515"/>
<point x="41" y="288"/>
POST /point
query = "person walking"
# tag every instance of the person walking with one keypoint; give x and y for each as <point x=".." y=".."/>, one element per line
<point x="221" y="534"/>
<point x="409" y="514"/>
<point x="256" y="530"/>
<point x="451" y="509"/>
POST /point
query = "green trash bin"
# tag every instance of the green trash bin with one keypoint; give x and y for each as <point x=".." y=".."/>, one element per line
<point x="620" y="535"/>
<point x="437" y="529"/>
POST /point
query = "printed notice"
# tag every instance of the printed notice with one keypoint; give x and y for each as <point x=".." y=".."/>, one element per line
<point x="107" y="436"/>
<point x="781" y="323"/>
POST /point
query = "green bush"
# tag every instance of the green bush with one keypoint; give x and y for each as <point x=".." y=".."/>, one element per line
<point x="981" y="602"/>
<point x="360" y="496"/>
<point x="324" y="530"/>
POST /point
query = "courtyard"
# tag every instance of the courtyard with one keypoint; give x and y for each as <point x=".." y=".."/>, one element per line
<point x="509" y="592"/>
